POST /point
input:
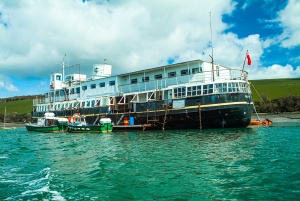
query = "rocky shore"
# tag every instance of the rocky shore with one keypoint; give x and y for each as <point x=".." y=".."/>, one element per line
<point x="17" y="125"/>
<point x="282" y="117"/>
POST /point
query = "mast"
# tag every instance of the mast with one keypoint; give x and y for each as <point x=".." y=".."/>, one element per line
<point x="4" y="117"/>
<point x="63" y="68"/>
<point x="79" y="87"/>
<point x="212" y="51"/>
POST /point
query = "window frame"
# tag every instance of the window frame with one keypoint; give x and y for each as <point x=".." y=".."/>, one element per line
<point x="84" y="87"/>
<point x="102" y="84"/>
<point x="112" y="83"/>
<point x="158" y="77"/>
<point x="145" y="79"/>
<point x="134" y="81"/>
<point x="171" y="74"/>
<point x="93" y="86"/>
<point x="184" y="72"/>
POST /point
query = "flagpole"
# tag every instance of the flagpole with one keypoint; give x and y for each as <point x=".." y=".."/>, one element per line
<point x="244" y="64"/>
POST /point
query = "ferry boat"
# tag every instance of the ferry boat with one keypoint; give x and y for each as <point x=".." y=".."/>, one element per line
<point x="188" y="95"/>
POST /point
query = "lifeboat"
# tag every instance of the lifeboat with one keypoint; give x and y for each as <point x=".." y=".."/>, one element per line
<point x="266" y="122"/>
<point x="256" y="123"/>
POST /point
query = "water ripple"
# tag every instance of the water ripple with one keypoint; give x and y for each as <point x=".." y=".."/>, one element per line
<point x="261" y="163"/>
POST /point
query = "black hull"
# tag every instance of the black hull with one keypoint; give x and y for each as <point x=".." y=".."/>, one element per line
<point x="216" y="111"/>
<point x="221" y="117"/>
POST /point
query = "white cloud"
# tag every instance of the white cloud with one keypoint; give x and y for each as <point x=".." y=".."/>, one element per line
<point x="41" y="84"/>
<point x="289" y="19"/>
<point x="135" y="34"/>
<point x="131" y="34"/>
<point x="273" y="72"/>
<point x="10" y="87"/>
<point x="7" y="85"/>
<point x="230" y="50"/>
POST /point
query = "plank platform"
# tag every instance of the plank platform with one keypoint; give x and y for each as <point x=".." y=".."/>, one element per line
<point x="131" y="127"/>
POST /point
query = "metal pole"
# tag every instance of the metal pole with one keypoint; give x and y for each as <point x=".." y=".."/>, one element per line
<point x="165" y="117"/>
<point x="212" y="51"/>
<point x="244" y="64"/>
<point x="63" y="68"/>
<point x="200" y="116"/>
<point x="4" y="117"/>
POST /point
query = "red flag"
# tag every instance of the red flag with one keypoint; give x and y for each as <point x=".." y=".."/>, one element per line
<point x="249" y="59"/>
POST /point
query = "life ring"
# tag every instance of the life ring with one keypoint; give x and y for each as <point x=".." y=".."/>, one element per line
<point x="75" y="116"/>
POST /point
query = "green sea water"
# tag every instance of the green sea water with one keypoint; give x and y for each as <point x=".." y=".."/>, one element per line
<point x="257" y="163"/>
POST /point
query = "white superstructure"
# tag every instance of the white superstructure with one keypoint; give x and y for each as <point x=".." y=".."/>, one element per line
<point x="171" y="82"/>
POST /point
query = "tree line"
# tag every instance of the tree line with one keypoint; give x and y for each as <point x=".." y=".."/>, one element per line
<point x="16" y="98"/>
<point x="279" y="105"/>
<point x="15" y="118"/>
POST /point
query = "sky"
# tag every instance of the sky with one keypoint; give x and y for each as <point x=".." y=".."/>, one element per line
<point x="36" y="36"/>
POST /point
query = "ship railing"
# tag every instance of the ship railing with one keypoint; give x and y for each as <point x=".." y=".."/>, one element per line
<point x="74" y="96"/>
<point x="202" y="77"/>
<point x="237" y="74"/>
<point x="40" y="100"/>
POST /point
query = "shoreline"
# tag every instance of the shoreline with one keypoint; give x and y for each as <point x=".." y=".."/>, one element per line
<point x="280" y="117"/>
<point x="17" y="125"/>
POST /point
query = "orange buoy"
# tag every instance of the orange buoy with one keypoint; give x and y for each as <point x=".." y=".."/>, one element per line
<point x="126" y="122"/>
<point x="266" y="122"/>
<point x="256" y="123"/>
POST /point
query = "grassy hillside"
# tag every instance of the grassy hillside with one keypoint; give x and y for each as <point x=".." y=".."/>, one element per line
<point x="273" y="88"/>
<point x="19" y="106"/>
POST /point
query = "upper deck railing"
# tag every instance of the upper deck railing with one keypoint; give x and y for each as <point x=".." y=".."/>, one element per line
<point x="203" y="77"/>
<point x="164" y="83"/>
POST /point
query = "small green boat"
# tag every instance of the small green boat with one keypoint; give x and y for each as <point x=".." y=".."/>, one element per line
<point x="78" y="125"/>
<point x="48" y="123"/>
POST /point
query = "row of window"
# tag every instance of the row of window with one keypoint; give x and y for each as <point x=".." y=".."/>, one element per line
<point x="170" y="75"/>
<point x="72" y="105"/>
<point x="101" y="84"/>
<point x="77" y="89"/>
<point x="181" y="92"/>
